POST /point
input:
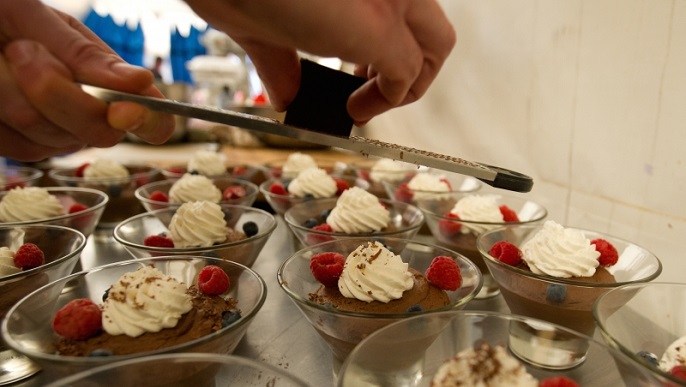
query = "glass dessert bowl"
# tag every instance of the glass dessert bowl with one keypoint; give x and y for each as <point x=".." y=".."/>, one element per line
<point x="196" y="369"/>
<point x="412" y="351"/>
<point x="342" y="320"/>
<point x="251" y="230"/>
<point x="79" y="208"/>
<point x="211" y="164"/>
<point x="156" y="195"/>
<point x="14" y="176"/>
<point x="120" y="189"/>
<point x="457" y="233"/>
<point x="61" y="248"/>
<point x="237" y="171"/>
<point x="429" y="184"/>
<point x="289" y="167"/>
<point x="647" y="323"/>
<point x="376" y="170"/>
<point x="28" y="327"/>
<point x="566" y="301"/>
<point x="304" y="218"/>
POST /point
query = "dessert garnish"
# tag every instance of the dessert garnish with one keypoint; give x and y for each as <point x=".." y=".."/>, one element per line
<point x="314" y="239"/>
<point x="79" y="319"/>
<point x="28" y="256"/>
<point x="158" y="241"/>
<point x="480" y="213"/>
<point x="558" y="381"/>
<point x="234" y="192"/>
<point x="608" y="253"/>
<point x="250" y="229"/>
<point x="341" y="185"/>
<point x="449" y="227"/>
<point x="159" y="196"/>
<point x="509" y="215"/>
<point x="78" y="172"/>
<point x="678" y="372"/>
<point x="444" y="273"/>
<point x="213" y="281"/>
<point x="278" y="189"/>
<point x="327" y="268"/>
<point x="403" y="193"/>
<point x="77" y="207"/>
<point x="506" y="252"/>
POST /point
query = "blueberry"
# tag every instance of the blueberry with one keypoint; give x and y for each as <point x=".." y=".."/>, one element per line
<point x="309" y="223"/>
<point x="100" y="353"/>
<point x="230" y="317"/>
<point x="649" y="357"/>
<point x="556" y="293"/>
<point x="325" y="214"/>
<point x="250" y="228"/>
<point x="114" y="190"/>
<point x="194" y="172"/>
<point x="415" y="308"/>
<point x="106" y="294"/>
<point x="308" y="196"/>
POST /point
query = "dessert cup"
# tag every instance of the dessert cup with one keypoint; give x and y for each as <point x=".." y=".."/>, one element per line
<point x="464" y="241"/>
<point x="406" y="220"/>
<point x="84" y="221"/>
<point x="281" y="203"/>
<point x="122" y="204"/>
<point x="645" y="317"/>
<point x="274" y="168"/>
<point x="62" y="247"/>
<point x="409" y="352"/>
<point x="143" y="192"/>
<point x="11" y="177"/>
<point x="132" y="232"/>
<point x="364" y="169"/>
<point x="563" y="301"/>
<point x="342" y="330"/>
<point x="27" y="327"/>
<point x="236" y="171"/>
<point x="397" y="190"/>
<point x="196" y="369"/>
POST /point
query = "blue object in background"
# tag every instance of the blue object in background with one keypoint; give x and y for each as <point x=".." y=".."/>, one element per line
<point x="127" y="43"/>
<point x="183" y="49"/>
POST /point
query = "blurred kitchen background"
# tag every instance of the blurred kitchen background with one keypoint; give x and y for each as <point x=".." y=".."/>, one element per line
<point x="586" y="96"/>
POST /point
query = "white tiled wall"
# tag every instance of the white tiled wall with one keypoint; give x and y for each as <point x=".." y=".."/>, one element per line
<point x="586" y="96"/>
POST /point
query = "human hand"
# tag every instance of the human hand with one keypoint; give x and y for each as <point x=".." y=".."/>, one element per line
<point x="398" y="45"/>
<point x="46" y="54"/>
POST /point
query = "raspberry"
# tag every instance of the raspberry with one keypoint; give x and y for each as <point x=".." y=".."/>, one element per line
<point x="508" y="214"/>
<point x="314" y="239"/>
<point x="364" y="175"/>
<point x="175" y="170"/>
<point x="506" y="252"/>
<point x="608" y="253"/>
<point x="447" y="227"/>
<point x="14" y="184"/>
<point x="558" y="381"/>
<point x="278" y="189"/>
<point x="234" y="192"/>
<point x="28" y="256"/>
<point x="213" y="281"/>
<point x="79" y="171"/>
<point x="327" y="268"/>
<point x="679" y="372"/>
<point x="158" y="241"/>
<point x="159" y="196"/>
<point x="341" y="185"/>
<point x="78" y="320"/>
<point x="444" y="273"/>
<point x="239" y="171"/>
<point x="403" y="193"/>
<point x="77" y="207"/>
<point x="446" y="182"/>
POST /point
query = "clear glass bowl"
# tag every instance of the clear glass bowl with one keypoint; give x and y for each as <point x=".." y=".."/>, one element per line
<point x="62" y="248"/>
<point x="143" y="192"/>
<point x="13" y="176"/>
<point x="364" y="169"/>
<point x="566" y="302"/>
<point x="281" y="203"/>
<point x="184" y="369"/>
<point x="398" y="190"/>
<point x="409" y="352"/>
<point x="443" y="228"/>
<point x="237" y="171"/>
<point x="406" y="221"/>
<point x="122" y="204"/>
<point x="132" y="232"/>
<point x="84" y="221"/>
<point x="643" y="317"/>
<point x="27" y="327"/>
<point x="274" y="168"/>
<point x="342" y="330"/>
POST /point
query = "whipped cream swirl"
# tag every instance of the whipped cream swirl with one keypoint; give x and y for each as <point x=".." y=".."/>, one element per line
<point x="198" y="224"/>
<point x="373" y="273"/>
<point x="315" y="182"/>
<point x="30" y="203"/>
<point x="358" y="211"/>
<point x="428" y="186"/>
<point x="295" y="163"/>
<point x="106" y="171"/>
<point x="7" y="266"/>
<point x="674" y="355"/>
<point x="190" y="188"/>
<point x="478" y="208"/>
<point x="483" y="366"/>
<point x="207" y="163"/>
<point x="390" y="170"/>
<point x="560" y="252"/>
<point x="145" y="300"/>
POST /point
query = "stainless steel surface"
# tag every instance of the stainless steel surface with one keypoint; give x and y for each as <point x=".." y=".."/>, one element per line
<point x="495" y="176"/>
<point x="279" y="334"/>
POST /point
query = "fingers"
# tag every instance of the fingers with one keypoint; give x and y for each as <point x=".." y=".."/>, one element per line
<point x="152" y="127"/>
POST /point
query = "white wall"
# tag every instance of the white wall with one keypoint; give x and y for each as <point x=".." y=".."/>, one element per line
<point x="587" y="96"/>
